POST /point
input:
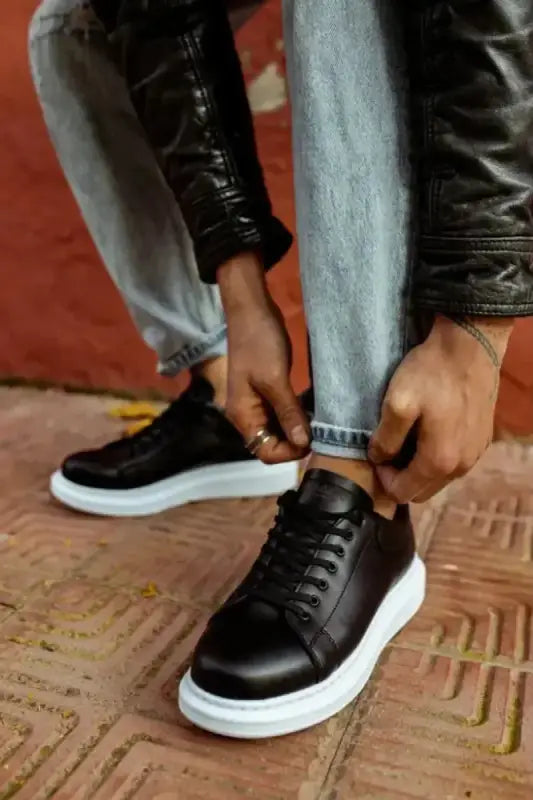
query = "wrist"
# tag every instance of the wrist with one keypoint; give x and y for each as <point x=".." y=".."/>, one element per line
<point x="489" y="332"/>
<point x="242" y="285"/>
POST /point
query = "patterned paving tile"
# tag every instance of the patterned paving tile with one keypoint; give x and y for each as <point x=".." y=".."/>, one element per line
<point x="104" y="657"/>
<point x="82" y="634"/>
<point x="450" y="700"/>
<point x="98" y="619"/>
<point x="46" y="732"/>
<point x="145" y="759"/>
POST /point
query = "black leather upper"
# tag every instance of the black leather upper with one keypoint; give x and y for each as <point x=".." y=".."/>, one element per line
<point x="288" y="626"/>
<point x="185" y="80"/>
<point x="191" y="433"/>
<point x="472" y="81"/>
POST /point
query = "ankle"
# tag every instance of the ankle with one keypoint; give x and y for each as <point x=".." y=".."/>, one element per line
<point x="361" y="473"/>
<point x="215" y="370"/>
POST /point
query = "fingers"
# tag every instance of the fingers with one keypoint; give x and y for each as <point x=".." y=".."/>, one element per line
<point x="279" y="452"/>
<point x="436" y="463"/>
<point x="248" y="412"/>
<point x="403" y="485"/>
<point x="399" y="413"/>
<point x="431" y="490"/>
<point x="440" y="401"/>
<point x="289" y="413"/>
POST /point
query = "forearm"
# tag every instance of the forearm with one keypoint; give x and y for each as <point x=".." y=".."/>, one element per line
<point x="243" y="287"/>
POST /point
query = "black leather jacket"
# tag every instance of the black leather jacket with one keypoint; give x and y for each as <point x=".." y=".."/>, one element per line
<point x="184" y="77"/>
<point x="472" y="82"/>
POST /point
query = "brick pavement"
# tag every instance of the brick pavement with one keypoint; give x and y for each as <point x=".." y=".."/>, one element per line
<point x="90" y="649"/>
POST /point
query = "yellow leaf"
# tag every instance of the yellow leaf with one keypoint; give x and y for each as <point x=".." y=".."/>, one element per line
<point x="135" y="427"/>
<point x="134" y="411"/>
<point x="150" y="590"/>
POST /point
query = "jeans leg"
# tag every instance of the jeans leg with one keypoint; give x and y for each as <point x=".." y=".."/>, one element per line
<point x="353" y="195"/>
<point x="130" y="211"/>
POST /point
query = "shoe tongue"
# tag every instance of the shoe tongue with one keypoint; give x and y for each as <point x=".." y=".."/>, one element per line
<point x="327" y="491"/>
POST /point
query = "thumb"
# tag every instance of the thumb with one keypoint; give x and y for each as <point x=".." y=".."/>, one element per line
<point x="387" y="476"/>
<point x="289" y="413"/>
<point x="399" y="413"/>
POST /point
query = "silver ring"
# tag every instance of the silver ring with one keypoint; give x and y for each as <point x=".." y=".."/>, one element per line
<point x="256" y="442"/>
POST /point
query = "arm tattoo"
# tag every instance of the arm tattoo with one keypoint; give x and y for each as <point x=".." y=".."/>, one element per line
<point x="470" y="328"/>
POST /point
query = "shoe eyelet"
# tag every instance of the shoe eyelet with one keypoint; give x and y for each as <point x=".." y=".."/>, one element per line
<point x="349" y="536"/>
<point x="315" y="601"/>
<point x="341" y="552"/>
<point x="305" y="617"/>
<point x="323" y="585"/>
<point x="332" y="568"/>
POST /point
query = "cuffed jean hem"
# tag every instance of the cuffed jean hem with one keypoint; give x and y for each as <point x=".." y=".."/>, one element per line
<point x="329" y="440"/>
<point x="215" y="345"/>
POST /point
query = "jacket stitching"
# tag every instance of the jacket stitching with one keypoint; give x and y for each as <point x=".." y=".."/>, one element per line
<point x="476" y="250"/>
<point x="491" y="309"/>
<point x="451" y="238"/>
<point x="454" y="244"/>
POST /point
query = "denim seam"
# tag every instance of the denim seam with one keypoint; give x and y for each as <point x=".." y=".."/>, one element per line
<point x="340" y="428"/>
<point x="190" y="354"/>
<point x="331" y="451"/>
<point x="338" y="444"/>
<point x="340" y="437"/>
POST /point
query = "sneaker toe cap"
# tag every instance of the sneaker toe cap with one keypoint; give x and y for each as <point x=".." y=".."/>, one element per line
<point x="252" y="662"/>
<point x="88" y="469"/>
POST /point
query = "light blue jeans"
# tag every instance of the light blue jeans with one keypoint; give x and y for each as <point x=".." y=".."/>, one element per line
<point x="353" y="192"/>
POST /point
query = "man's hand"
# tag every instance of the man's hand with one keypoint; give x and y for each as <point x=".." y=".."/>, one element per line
<point x="445" y="390"/>
<point x="260" y="395"/>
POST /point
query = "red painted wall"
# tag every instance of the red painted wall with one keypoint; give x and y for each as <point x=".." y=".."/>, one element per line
<point x="61" y="317"/>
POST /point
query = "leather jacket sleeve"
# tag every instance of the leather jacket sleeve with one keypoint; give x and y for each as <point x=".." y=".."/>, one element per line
<point x="472" y="82"/>
<point x="184" y="76"/>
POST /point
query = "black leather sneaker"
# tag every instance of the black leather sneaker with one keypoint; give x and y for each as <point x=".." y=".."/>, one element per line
<point x="191" y="452"/>
<point x="299" y="638"/>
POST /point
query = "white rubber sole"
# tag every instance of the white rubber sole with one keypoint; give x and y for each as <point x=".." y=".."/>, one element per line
<point x="299" y="710"/>
<point x="238" y="479"/>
